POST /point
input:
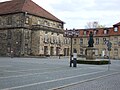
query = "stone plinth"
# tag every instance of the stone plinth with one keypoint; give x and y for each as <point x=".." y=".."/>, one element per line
<point x="90" y="53"/>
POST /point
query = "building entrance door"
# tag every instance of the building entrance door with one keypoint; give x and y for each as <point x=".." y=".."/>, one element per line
<point x="65" y="52"/>
<point x="45" y="50"/>
<point x="51" y="51"/>
<point x="57" y="51"/>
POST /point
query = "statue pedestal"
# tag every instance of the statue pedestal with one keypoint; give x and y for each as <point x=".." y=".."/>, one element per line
<point x="90" y="53"/>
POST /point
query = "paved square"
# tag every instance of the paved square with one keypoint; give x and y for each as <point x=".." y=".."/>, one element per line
<point x="52" y="73"/>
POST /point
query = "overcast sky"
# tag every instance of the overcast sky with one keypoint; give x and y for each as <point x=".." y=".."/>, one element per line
<point x="76" y="13"/>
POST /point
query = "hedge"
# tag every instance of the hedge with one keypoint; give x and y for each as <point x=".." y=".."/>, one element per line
<point x="93" y="62"/>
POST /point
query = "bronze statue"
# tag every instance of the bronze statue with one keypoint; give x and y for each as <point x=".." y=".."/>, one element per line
<point x="91" y="40"/>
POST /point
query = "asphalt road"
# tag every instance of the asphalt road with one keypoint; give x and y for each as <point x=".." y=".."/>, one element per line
<point x="54" y="73"/>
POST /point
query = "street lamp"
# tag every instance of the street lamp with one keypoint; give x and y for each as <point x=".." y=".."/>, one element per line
<point x="109" y="46"/>
<point x="71" y="34"/>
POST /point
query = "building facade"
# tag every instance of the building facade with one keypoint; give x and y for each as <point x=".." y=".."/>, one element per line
<point x="101" y="38"/>
<point x="28" y="29"/>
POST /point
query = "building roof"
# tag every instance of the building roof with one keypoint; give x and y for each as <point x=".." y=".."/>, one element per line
<point x="98" y="32"/>
<point x="28" y="6"/>
<point x="117" y="24"/>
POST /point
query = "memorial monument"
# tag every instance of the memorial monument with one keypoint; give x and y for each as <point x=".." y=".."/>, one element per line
<point x="91" y="40"/>
<point x="90" y="50"/>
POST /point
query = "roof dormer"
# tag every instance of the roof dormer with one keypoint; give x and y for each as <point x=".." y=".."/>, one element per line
<point x="115" y="29"/>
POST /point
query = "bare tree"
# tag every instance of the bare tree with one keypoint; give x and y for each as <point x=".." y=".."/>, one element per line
<point x="94" y="24"/>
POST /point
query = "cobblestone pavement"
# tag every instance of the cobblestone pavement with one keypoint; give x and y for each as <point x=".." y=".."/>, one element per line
<point x="111" y="82"/>
<point x="51" y="73"/>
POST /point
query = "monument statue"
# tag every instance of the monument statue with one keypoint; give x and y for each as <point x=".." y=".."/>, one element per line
<point x="91" y="40"/>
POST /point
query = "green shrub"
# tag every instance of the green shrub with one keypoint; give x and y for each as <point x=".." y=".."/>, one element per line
<point x="93" y="62"/>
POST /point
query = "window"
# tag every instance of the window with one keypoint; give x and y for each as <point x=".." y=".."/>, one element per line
<point x="51" y="39"/>
<point x="26" y="34"/>
<point x="106" y="31"/>
<point x="81" y="51"/>
<point x="46" y="32"/>
<point x="27" y="20"/>
<point x="57" y="40"/>
<point x="9" y="21"/>
<point x="115" y="29"/>
<point x="85" y="32"/>
<point x="68" y="41"/>
<point x="81" y="41"/>
<point x="116" y="52"/>
<point x="104" y="52"/>
<point x="97" y="41"/>
<point x="65" y="41"/>
<point x="115" y="40"/>
<point x="39" y="22"/>
<point x="60" y="25"/>
<point x="46" y="23"/>
<point x="75" y="41"/>
<point x="0" y="21"/>
<point x="118" y="43"/>
<point x="9" y="44"/>
<point x="9" y="49"/>
<point x="46" y="38"/>
<point x="9" y="33"/>
<point x="95" y="32"/>
<point x="58" y="34"/>
<point x="3" y="36"/>
<point x="52" y="33"/>
<point x="96" y="52"/>
<point x="104" y="41"/>
<point x="54" y="39"/>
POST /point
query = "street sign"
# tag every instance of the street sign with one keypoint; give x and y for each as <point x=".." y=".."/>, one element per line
<point x="109" y="49"/>
<point x="119" y="43"/>
<point x="109" y="45"/>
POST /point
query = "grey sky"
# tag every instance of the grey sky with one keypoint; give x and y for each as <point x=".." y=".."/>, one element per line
<point x="76" y="13"/>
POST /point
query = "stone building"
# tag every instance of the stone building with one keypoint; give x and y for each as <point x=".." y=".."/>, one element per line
<point x="101" y="37"/>
<point x="28" y="29"/>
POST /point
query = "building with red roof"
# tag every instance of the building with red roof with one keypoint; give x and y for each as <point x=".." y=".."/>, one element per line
<point x="101" y="38"/>
<point x="28" y="29"/>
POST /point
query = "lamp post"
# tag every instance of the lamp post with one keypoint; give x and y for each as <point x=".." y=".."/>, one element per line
<point x="109" y="45"/>
<point x="71" y="52"/>
<point x="71" y="34"/>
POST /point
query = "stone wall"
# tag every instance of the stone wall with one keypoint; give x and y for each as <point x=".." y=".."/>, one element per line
<point x="17" y="34"/>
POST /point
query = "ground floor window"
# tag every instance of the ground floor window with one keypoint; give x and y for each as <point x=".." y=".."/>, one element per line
<point x="66" y="51"/>
<point x="115" y="52"/>
<point x="104" y="52"/>
<point x="81" y="51"/>
<point x="96" y="52"/>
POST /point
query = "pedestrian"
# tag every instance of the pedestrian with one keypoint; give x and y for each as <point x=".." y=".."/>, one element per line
<point x="75" y="58"/>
